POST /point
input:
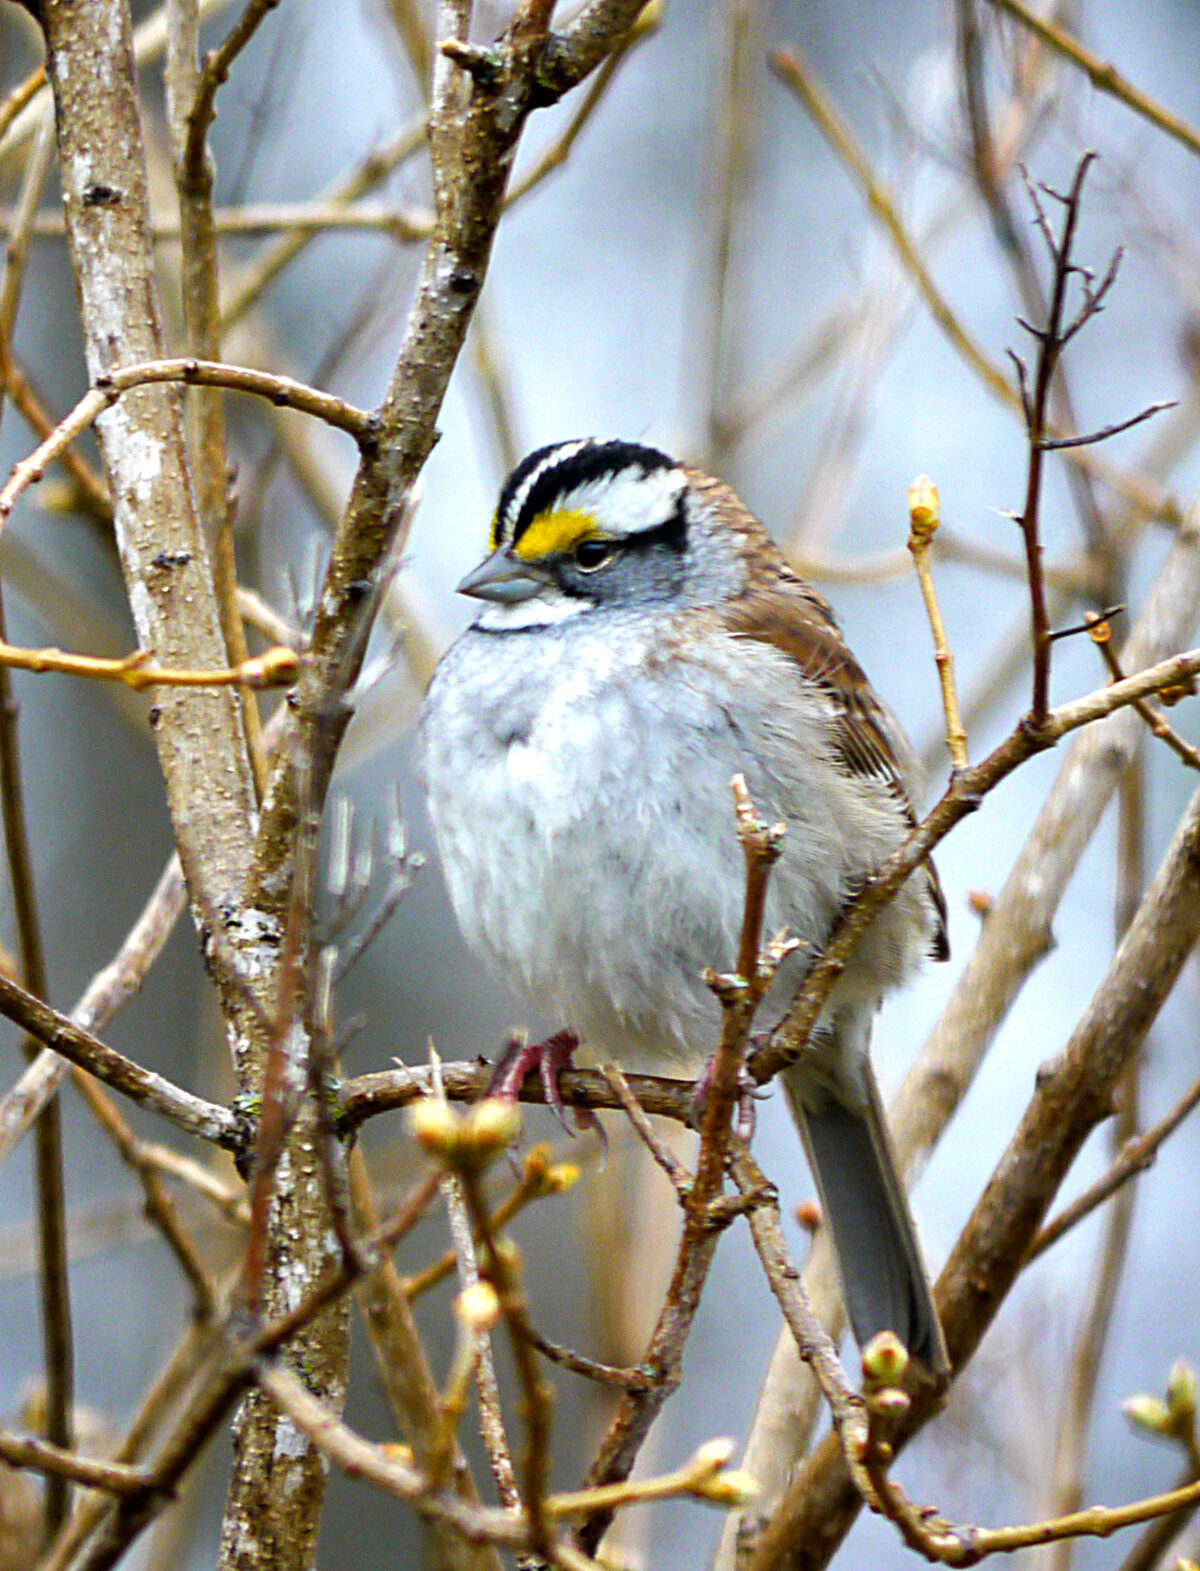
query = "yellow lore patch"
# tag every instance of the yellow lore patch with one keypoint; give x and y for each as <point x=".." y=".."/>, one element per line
<point x="553" y="532"/>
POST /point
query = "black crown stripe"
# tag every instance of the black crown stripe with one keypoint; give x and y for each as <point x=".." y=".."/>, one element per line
<point x="578" y="466"/>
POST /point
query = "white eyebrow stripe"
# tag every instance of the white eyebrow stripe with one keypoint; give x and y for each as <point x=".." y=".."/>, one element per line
<point x="628" y="502"/>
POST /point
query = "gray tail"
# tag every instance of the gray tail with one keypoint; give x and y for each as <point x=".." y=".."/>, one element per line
<point x="883" y="1277"/>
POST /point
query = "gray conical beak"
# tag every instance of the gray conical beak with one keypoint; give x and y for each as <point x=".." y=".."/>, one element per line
<point x="502" y="578"/>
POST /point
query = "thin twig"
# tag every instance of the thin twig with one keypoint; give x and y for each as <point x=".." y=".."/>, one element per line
<point x="1135" y="1156"/>
<point x="1159" y="727"/>
<point x="207" y="1120"/>
<point x="149" y="41"/>
<point x="215" y="73"/>
<point x="537" y="1395"/>
<point x="87" y="488"/>
<point x="950" y="1544"/>
<point x="51" y="1198"/>
<point x="24" y="93"/>
<point x="812" y="1341"/>
<point x="108" y="991"/>
<point x="370" y="171"/>
<point x="1102" y="75"/>
<point x="279" y="390"/>
<point x="1058" y="444"/>
<point x="404" y="1368"/>
<point x="733" y="137"/>
<point x="267" y="218"/>
<point x="789" y="66"/>
<point x="703" y="1218"/>
<point x="1050" y="340"/>
<point x="191" y="94"/>
<point x="114" y="1478"/>
<point x="924" y="517"/>
<point x="164" y="1391"/>
<point x="556" y="154"/>
<point x="158" y="1206"/>
<point x="539" y="1178"/>
<point x="463" y="1232"/>
<point x="278" y="667"/>
<point x="1076" y="574"/>
<point x="704" y="1477"/>
<point x="589" y="1368"/>
<point x="680" y="1178"/>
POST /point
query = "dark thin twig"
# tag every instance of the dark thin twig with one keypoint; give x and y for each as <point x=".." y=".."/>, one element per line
<point x="603" y="1374"/>
<point x="1088" y="625"/>
<point x="703" y="1217"/>
<point x="1135" y="1157"/>
<point x="158" y="1206"/>
<point x="207" y="1120"/>
<point x="636" y="1113"/>
<point x="1097" y="626"/>
<point x="812" y="1340"/>
<point x="113" y="1477"/>
<point x="51" y="1196"/>
<point x="1054" y="444"/>
<point x="1050" y="343"/>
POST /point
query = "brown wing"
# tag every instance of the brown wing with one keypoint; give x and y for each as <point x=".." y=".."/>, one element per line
<point x="790" y="616"/>
<point x="793" y="618"/>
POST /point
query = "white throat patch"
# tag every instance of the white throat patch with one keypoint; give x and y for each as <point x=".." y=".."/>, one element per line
<point x="541" y="610"/>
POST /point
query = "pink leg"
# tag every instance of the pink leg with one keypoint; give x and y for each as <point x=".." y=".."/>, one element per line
<point x="743" y="1118"/>
<point x="550" y="1058"/>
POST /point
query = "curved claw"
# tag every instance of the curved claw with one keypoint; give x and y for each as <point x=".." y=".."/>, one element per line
<point x="749" y="1092"/>
<point x="550" y="1058"/>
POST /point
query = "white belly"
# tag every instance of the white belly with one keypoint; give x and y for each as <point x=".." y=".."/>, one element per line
<point x="583" y="814"/>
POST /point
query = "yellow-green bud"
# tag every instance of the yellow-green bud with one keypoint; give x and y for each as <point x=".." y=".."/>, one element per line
<point x="1181" y="1393"/>
<point x="712" y="1456"/>
<point x="889" y="1402"/>
<point x="1147" y="1412"/>
<point x="434" y="1125"/>
<point x="491" y="1126"/>
<point x="923" y="508"/>
<point x="885" y="1359"/>
<point x="508" y="1259"/>
<point x="478" y="1306"/>
<point x="561" y="1177"/>
<point x="735" y="1488"/>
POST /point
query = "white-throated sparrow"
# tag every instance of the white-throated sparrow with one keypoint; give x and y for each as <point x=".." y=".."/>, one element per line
<point x="641" y="641"/>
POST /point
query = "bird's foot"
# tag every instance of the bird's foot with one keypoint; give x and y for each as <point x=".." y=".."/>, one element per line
<point x="748" y="1092"/>
<point x="550" y="1058"/>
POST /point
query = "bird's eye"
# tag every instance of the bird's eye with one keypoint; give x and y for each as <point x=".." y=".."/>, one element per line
<point x="592" y="554"/>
